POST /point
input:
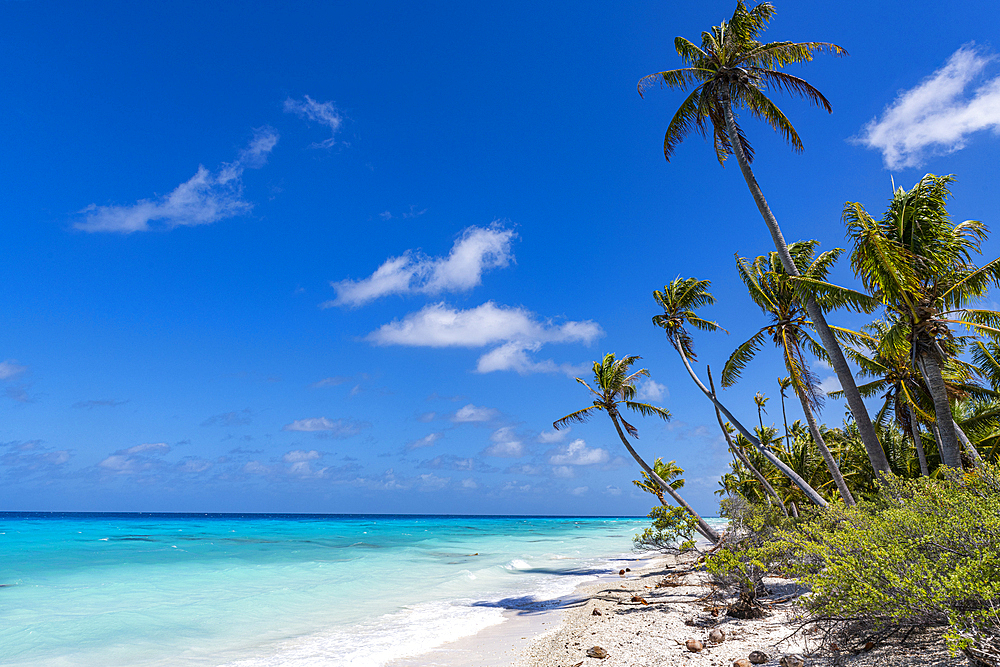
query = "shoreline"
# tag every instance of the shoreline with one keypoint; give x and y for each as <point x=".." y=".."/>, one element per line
<point x="636" y="634"/>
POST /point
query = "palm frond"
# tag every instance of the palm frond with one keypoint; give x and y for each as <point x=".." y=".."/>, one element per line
<point x="578" y="417"/>
<point x="740" y="357"/>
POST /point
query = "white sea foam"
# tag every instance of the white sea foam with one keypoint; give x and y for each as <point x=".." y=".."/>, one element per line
<point x="405" y="633"/>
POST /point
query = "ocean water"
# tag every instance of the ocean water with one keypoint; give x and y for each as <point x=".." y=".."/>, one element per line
<point x="88" y="590"/>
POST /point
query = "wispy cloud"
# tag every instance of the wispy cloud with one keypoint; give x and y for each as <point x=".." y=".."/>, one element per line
<point x="234" y="418"/>
<point x="136" y="459"/>
<point x="651" y="390"/>
<point x="98" y="403"/>
<point x="937" y="116"/>
<point x="515" y="332"/>
<point x="505" y="444"/>
<point x="476" y="250"/>
<point x="10" y="368"/>
<point x="339" y="428"/>
<point x="425" y="441"/>
<point x="205" y="198"/>
<point x="577" y="453"/>
<point x="471" y="413"/>
<point x="324" y="113"/>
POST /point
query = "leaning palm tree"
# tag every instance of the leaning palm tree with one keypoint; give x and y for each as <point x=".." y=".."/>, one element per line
<point x="919" y="264"/>
<point x="772" y="289"/>
<point x="616" y="387"/>
<point x="679" y="299"/>
<point x="731" y="70"/>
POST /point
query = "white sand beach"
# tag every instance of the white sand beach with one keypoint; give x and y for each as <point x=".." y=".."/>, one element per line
<point x="645" y="617"/>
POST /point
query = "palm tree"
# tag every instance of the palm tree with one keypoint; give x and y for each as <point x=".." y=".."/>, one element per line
<point x="669" y="472"/>
<point x="783" y="384"/>
<point x="772" y="290"/>
<point x="732" y="70"/>
<point x="679" y="299"/>
<point x="617" y="387"/>
<point x="919" y="264"/>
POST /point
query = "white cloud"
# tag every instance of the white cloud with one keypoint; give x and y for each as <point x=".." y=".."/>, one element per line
<point x="194" y="465"/>
<point x="205" y="198"/>
<point x="553" y="436"/>
<point x="134" y="459"/>
<point x="469" y="483"/>
<point x="564" y="472"/>
<point x="324" y="113"/>
<point x="476" y="250"/>
<point x="612" y="490"/>
<point x="431" y="482"/>
<point x="256" y="468"/>
<point x="505" y="444"/>
<point x="515" y="332"/>
<point x="650" y="390"/>
<point x="340" y="428"/>
<point x="10" y="368"/>
<point x="577" y="453"/>
<point x="579" y="491"/>
<point x="471" y="413"/>
<point x="937" y="116"/>
<point x="425" y="441"/>
<point x="436" y="325"/>
<point x="829" y="384"/>
<point x="297" y="455"/>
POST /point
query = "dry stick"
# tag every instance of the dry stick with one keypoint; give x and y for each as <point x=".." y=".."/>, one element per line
<point x="740" y="454"/>
<point x="795" y="477"/>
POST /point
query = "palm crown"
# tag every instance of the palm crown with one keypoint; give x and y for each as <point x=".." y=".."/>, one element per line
<point x="679" y="300"/>
<point x="732" y="68"/>
<point x="615" y="386"/>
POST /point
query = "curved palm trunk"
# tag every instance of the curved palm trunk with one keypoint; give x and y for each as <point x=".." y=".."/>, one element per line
<point x="869" y="438"/>
<point x="784" y="417"/>
<point x="831" y="463"/>
<point x="970" y="449"/>
<point x="945" y="427"/>
<point x="703" y="527"/>
<point x="796" y="479"/>
<point x="917" y="442"/>
<point x="739" y="453"/>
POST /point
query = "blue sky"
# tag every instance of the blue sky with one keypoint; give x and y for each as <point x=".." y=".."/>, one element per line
<point x="347" y="258"/>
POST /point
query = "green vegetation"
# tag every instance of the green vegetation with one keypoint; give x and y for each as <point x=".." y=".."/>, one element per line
<point x="892" y="520"/>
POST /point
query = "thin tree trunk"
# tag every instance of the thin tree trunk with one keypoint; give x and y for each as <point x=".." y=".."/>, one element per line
<point x="740" y="454"/>
<point x="917" y="442"/>
<point x="970" y="449"/>
<point x="796" y="479"/>
<point x="948" y="441"/>
<point x="831" y="464"/>
<point x="784" y="417"/>
<point x="703" y="527"/>
<point x="869" y="438"/>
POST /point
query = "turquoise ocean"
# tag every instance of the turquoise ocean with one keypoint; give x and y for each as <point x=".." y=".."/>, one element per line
<point x="88" y="590"/>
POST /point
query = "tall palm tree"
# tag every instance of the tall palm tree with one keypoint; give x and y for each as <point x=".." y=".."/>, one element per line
<point x="731" y="70"/>
<point x="919" y="264"/>
<point x="616" y="386"/>
<point x="772" y="289"/>
<point x="679" y="299"/>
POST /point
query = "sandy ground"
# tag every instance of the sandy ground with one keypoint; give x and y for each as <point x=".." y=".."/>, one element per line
<point x="677" y="608"/>
<point x="647" y="616"/>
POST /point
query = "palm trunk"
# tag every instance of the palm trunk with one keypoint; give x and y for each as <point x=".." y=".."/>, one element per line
<point x="831" y="464"/>
<point x="739" y="453"/>
<point x="970" y="449"/>
<point x="796" y="479"/>
<point x="948" y="444"/>
<point x="917" y="442"/>
<point x="703" y="527"/>
<point x="874" y="449"/>
<point x="784" y="417"/>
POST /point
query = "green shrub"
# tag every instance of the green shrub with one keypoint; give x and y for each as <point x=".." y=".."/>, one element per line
<point x="926" y="553"/>
<point x="673" y="530"/>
